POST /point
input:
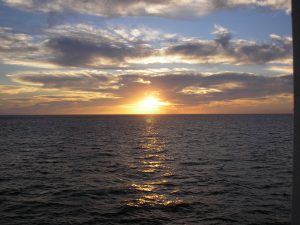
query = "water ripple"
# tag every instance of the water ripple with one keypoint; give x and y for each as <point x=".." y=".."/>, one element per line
<point x="146" y="170"/>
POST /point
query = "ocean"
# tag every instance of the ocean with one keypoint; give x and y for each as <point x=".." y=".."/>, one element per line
<point x="146" y="169"/>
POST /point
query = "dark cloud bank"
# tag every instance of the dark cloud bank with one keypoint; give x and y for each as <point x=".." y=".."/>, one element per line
<point x="181" y="88"/>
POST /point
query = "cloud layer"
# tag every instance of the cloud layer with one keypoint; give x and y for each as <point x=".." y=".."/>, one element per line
<point x="225" y="49"/>
<point x="179" y="87"/>
<point x="79" y="91"/>
<point x="117" y="47"/>
<point x="163" y="8"/>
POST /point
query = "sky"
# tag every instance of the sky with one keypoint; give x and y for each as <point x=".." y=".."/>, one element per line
<point x="145" y="56"/>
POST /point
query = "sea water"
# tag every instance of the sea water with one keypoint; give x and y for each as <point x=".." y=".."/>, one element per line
<point x="147" y="169"/>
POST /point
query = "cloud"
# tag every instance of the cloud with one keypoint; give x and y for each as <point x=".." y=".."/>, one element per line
<point x="14" y="90"/>
<point x="163" y="8"/>
<point x="16" y="46"/>
<point x="93" y="91"/>
<point x="264" y="52"/>
<point x="179" y="87"/>
<point x="92" y="81"/>
<point x="75" y="52"/>
<point x="86" y="46"/>
<point x="281" y="69"/>
<point x="11" y="42"/>
<point x="225" y="49"/>
<point x="223" y="36"/>
<point x="79" y="45"/>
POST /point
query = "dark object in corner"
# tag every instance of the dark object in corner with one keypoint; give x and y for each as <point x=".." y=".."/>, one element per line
<point x="296" y="161"/>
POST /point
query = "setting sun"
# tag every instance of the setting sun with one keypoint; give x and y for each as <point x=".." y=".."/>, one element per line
<point x="149" y="105"/>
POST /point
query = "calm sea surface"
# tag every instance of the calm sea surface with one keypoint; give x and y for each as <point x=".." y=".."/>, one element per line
<point x="185" y="169"/>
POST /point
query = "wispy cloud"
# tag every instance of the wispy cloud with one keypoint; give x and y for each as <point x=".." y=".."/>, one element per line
<point x="15" y="90"/>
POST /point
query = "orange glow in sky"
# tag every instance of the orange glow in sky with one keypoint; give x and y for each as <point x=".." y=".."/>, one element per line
<point x="149" y="105"/>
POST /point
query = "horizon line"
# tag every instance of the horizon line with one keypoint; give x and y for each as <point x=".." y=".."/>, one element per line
<point x="147" y="114"/>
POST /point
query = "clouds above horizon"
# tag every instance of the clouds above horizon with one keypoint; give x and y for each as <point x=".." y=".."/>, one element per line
<point x="86" y="46"/>
<point x="72" y="56"/>
<point x="161" y="8"/>
<point x="81" y="90"/>
<point x="183" y="88"/>
<point x="228" y="50"/>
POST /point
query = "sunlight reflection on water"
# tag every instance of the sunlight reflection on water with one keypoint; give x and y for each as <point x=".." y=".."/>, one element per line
<point x="155" y="191"/>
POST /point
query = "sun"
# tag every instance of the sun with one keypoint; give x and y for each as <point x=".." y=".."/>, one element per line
<point x="149" y="105"/>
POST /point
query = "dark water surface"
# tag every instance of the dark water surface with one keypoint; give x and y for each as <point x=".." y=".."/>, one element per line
<point x="188" y="169"/>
